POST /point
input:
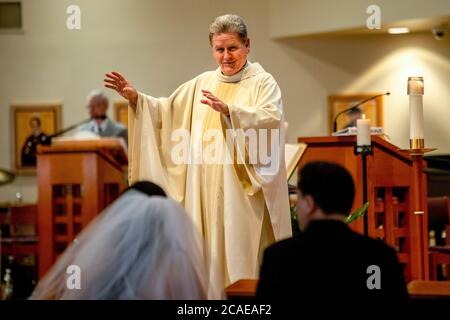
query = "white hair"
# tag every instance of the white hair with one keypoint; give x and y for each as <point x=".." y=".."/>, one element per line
<point x="98" y="95"/>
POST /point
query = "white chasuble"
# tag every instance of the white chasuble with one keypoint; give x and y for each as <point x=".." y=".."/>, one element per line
<point x="228" y="172"/>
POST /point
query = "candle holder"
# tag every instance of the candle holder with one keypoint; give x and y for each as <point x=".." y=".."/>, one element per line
<point x="364" y="151"/>
<point x="417" y="150"/>
<point x="417" y="147"/>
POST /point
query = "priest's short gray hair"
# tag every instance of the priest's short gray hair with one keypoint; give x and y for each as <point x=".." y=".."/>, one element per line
<point x="228" y="23"/>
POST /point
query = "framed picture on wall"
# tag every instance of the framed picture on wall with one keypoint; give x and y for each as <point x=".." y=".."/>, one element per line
<point x="121" y="112"/>
<point x="372" y="109"/>
<point x="31" y="125"/>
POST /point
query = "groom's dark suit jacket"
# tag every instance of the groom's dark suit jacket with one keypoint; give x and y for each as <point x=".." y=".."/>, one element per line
<point x="331" y="263"/>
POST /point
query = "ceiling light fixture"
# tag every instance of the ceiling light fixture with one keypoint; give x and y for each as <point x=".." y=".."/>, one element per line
<point x="398" y="30"/>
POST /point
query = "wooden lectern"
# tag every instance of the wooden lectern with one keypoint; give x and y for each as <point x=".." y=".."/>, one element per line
<point x="76" y="180"/>
<point x="392" y="194"/>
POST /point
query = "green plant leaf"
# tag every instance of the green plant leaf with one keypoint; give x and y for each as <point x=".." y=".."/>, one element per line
<point x="357" y="214"/>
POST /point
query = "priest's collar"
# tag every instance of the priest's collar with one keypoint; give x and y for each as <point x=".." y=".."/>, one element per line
<point x="235" y="77"/>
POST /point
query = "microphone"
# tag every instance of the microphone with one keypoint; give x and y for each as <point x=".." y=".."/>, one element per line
<point x="100" y="117"/>
<point x="355" y="107"/>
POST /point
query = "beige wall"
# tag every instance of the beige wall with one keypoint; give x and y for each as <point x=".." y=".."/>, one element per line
<point x="302" y="17"/>
<point x="160" y="44"/>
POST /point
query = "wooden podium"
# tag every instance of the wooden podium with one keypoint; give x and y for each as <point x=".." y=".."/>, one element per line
<point x="76" y="181"/>
<point x="392" y="195"/>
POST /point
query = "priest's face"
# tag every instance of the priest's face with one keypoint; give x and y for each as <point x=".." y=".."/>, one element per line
<point x="230" y="52"/>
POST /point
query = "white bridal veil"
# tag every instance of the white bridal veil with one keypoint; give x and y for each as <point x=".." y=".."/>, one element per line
<point x="139" y="248"/>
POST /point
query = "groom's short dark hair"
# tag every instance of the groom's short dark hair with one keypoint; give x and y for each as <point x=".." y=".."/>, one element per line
<point x="330" y="185"/>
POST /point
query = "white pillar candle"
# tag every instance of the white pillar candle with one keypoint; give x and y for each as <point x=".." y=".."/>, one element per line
<point x="415" y="92"/>
<point x="363" y="132"/>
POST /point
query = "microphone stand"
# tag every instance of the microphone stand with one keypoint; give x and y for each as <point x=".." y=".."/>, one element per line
<point x="364" y="151"/>
<point x="48" y="141"/>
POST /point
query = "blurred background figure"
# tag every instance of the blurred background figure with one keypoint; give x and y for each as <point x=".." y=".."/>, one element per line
<point x="18" y="280"/>
<point x="140" y="247"/>
<point x="97" y="105"/>
<point x="352" y="116"/>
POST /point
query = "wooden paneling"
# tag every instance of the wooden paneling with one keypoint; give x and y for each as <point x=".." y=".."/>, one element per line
<point x="73" y="177"/>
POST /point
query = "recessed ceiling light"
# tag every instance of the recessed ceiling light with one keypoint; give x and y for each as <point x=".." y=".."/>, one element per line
<point x="398" y="30"/>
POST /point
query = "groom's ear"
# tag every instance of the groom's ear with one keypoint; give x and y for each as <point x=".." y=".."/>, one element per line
<point x="310" y="204"/>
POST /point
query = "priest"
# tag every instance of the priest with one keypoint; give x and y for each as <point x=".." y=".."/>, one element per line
<point x="240" y="206"/>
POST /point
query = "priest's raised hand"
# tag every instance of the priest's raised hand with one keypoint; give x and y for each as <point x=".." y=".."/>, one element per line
<point x="215" y="103"/>
<point x="116" y="81"/>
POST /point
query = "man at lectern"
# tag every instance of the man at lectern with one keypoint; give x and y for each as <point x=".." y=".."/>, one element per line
<point x="97" y="105"/>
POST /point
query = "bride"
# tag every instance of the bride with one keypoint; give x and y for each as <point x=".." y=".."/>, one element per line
<point x="140" y="247"/>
